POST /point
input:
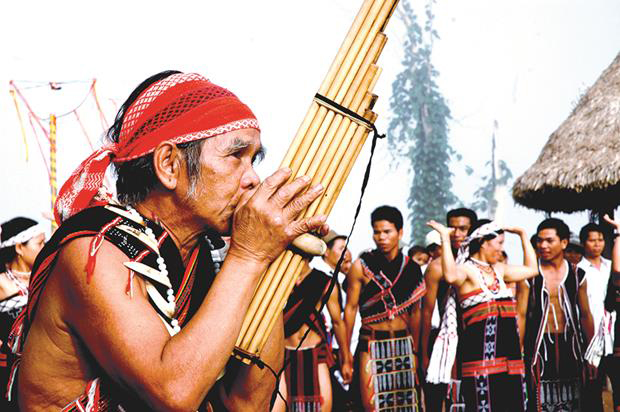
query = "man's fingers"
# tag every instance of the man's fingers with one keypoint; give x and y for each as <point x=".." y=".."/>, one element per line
<point x="270" y="185"/>
<point x="288" y="191"/>
<point x="306" y="225"/>
<point x="300" y="202"/>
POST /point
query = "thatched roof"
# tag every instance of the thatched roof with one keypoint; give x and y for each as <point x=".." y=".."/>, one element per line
<point x="579" y="167"/>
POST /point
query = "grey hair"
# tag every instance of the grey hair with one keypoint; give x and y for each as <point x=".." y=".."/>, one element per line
<point x="136" y="178"/>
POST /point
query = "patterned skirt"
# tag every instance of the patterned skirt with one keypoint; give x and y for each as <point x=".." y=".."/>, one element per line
<point x="302" y="378"/>
<point x="492" y="370"/>
<point x="392" y="364"/>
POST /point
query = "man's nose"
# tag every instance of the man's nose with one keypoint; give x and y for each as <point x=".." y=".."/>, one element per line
<point x="250" y="179"/>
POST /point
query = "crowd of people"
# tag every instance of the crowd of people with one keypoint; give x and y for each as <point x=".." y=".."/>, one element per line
<point x="136" y="301"/>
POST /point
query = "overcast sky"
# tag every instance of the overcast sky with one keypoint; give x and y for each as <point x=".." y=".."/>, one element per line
<point x="523" y="63"/>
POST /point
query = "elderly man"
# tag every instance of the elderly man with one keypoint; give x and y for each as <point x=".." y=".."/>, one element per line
<point x="134" y="307"/>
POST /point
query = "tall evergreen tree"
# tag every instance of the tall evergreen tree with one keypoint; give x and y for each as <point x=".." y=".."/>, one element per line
<point x="499" y="175"/>
<point x="418" y="132"/>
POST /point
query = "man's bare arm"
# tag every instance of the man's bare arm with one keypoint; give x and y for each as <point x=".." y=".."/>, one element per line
<point x="340" y="330"/>
<point x="355" y="282"/>
<point x="585" y="315"/>
<point x="251" y="390"/>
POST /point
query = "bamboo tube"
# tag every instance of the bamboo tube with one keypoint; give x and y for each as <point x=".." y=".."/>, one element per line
<point x="279" y="299"/>
<point x="342" y="80"/>
<point x="347" y="169"/>
<point x="329" y="78"/>
<point x="352" y="100"/>
<point x="328" y="167"/>
<point x="249" y="326"/>
<point x="360" y="133"/>
<point x="325" y="147"/>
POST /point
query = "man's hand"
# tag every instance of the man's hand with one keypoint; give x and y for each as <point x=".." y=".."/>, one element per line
<point x="347" y="371"/>
<point x="265" y="220"/>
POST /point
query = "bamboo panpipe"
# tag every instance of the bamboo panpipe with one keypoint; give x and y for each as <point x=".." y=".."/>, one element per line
<point x="266" y="305"/>
<point x="324" y="148"/>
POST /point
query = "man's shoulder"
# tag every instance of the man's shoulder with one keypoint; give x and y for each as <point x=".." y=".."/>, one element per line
<point x="433" y="270"/>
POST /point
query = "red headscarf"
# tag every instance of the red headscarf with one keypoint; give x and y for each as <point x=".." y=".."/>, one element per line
<point x="180" y="108"/>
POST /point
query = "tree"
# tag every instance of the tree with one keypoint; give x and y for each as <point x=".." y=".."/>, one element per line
<point x="418" y="131"/>
<point x="499" y="176"/>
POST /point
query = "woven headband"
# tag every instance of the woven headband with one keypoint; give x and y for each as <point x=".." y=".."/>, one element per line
<point x="23" y="236"/>
<point x="181" y="108"/>
<point x="482" y="231"/>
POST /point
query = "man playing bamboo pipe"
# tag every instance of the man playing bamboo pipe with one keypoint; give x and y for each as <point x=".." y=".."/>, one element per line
<point x="492" y="372"/>
<point x="460" y="220"/>
<point x="557" y="322"/>
<point x="307" y="381"/>
<point x="387" y="287"/>
<point x="126" y="311"/>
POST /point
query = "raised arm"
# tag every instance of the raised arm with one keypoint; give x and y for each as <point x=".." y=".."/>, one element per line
<point x="451" y="272"/>
<point x="340" y="330"/>
<point x="529" y="269"/>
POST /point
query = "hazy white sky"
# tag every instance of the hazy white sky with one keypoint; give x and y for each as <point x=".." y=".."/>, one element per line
<point x="522" y="63"/>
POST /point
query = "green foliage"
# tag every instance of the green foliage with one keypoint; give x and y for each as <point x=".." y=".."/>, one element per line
<point x="485" y="203"/>
<point x="418" y="132"/>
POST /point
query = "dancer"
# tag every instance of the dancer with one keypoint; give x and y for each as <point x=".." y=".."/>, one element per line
<point x="492" y="372"/>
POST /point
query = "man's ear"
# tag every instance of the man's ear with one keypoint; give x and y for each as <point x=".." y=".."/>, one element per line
<point x="167" y="163"/>
<point x="564" y="243"/>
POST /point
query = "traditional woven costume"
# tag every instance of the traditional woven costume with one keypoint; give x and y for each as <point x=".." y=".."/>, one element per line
<point x="554" y="360"/>
<point x="301" y="374"/>
<point x="180" y="108"/>
<point x="11" y="307"/>
<point x="491" y="369"/>
<point x="393" y="287"/>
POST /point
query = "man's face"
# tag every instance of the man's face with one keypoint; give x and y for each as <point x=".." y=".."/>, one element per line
<point x="461" y="225"/>
<point x="594" y="245"/>
<point x="226" y="173"/>
<point x="549" y="244"/>
<point x="386" y="236"/>
<point x="333" y="254"/>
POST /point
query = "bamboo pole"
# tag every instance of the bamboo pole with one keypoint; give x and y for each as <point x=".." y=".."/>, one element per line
<point x="266" y="305"/>
<point x="53" y="180"/>
<point x="325" y="147"/>
<point x="342" y="80"/>
<point x="275" y="271"/>
<point x="329" y="78"/>
<point x="359" y="136"/>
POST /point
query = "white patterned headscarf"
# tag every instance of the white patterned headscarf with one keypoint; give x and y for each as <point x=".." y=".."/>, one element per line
<point x="483" y="231"/>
